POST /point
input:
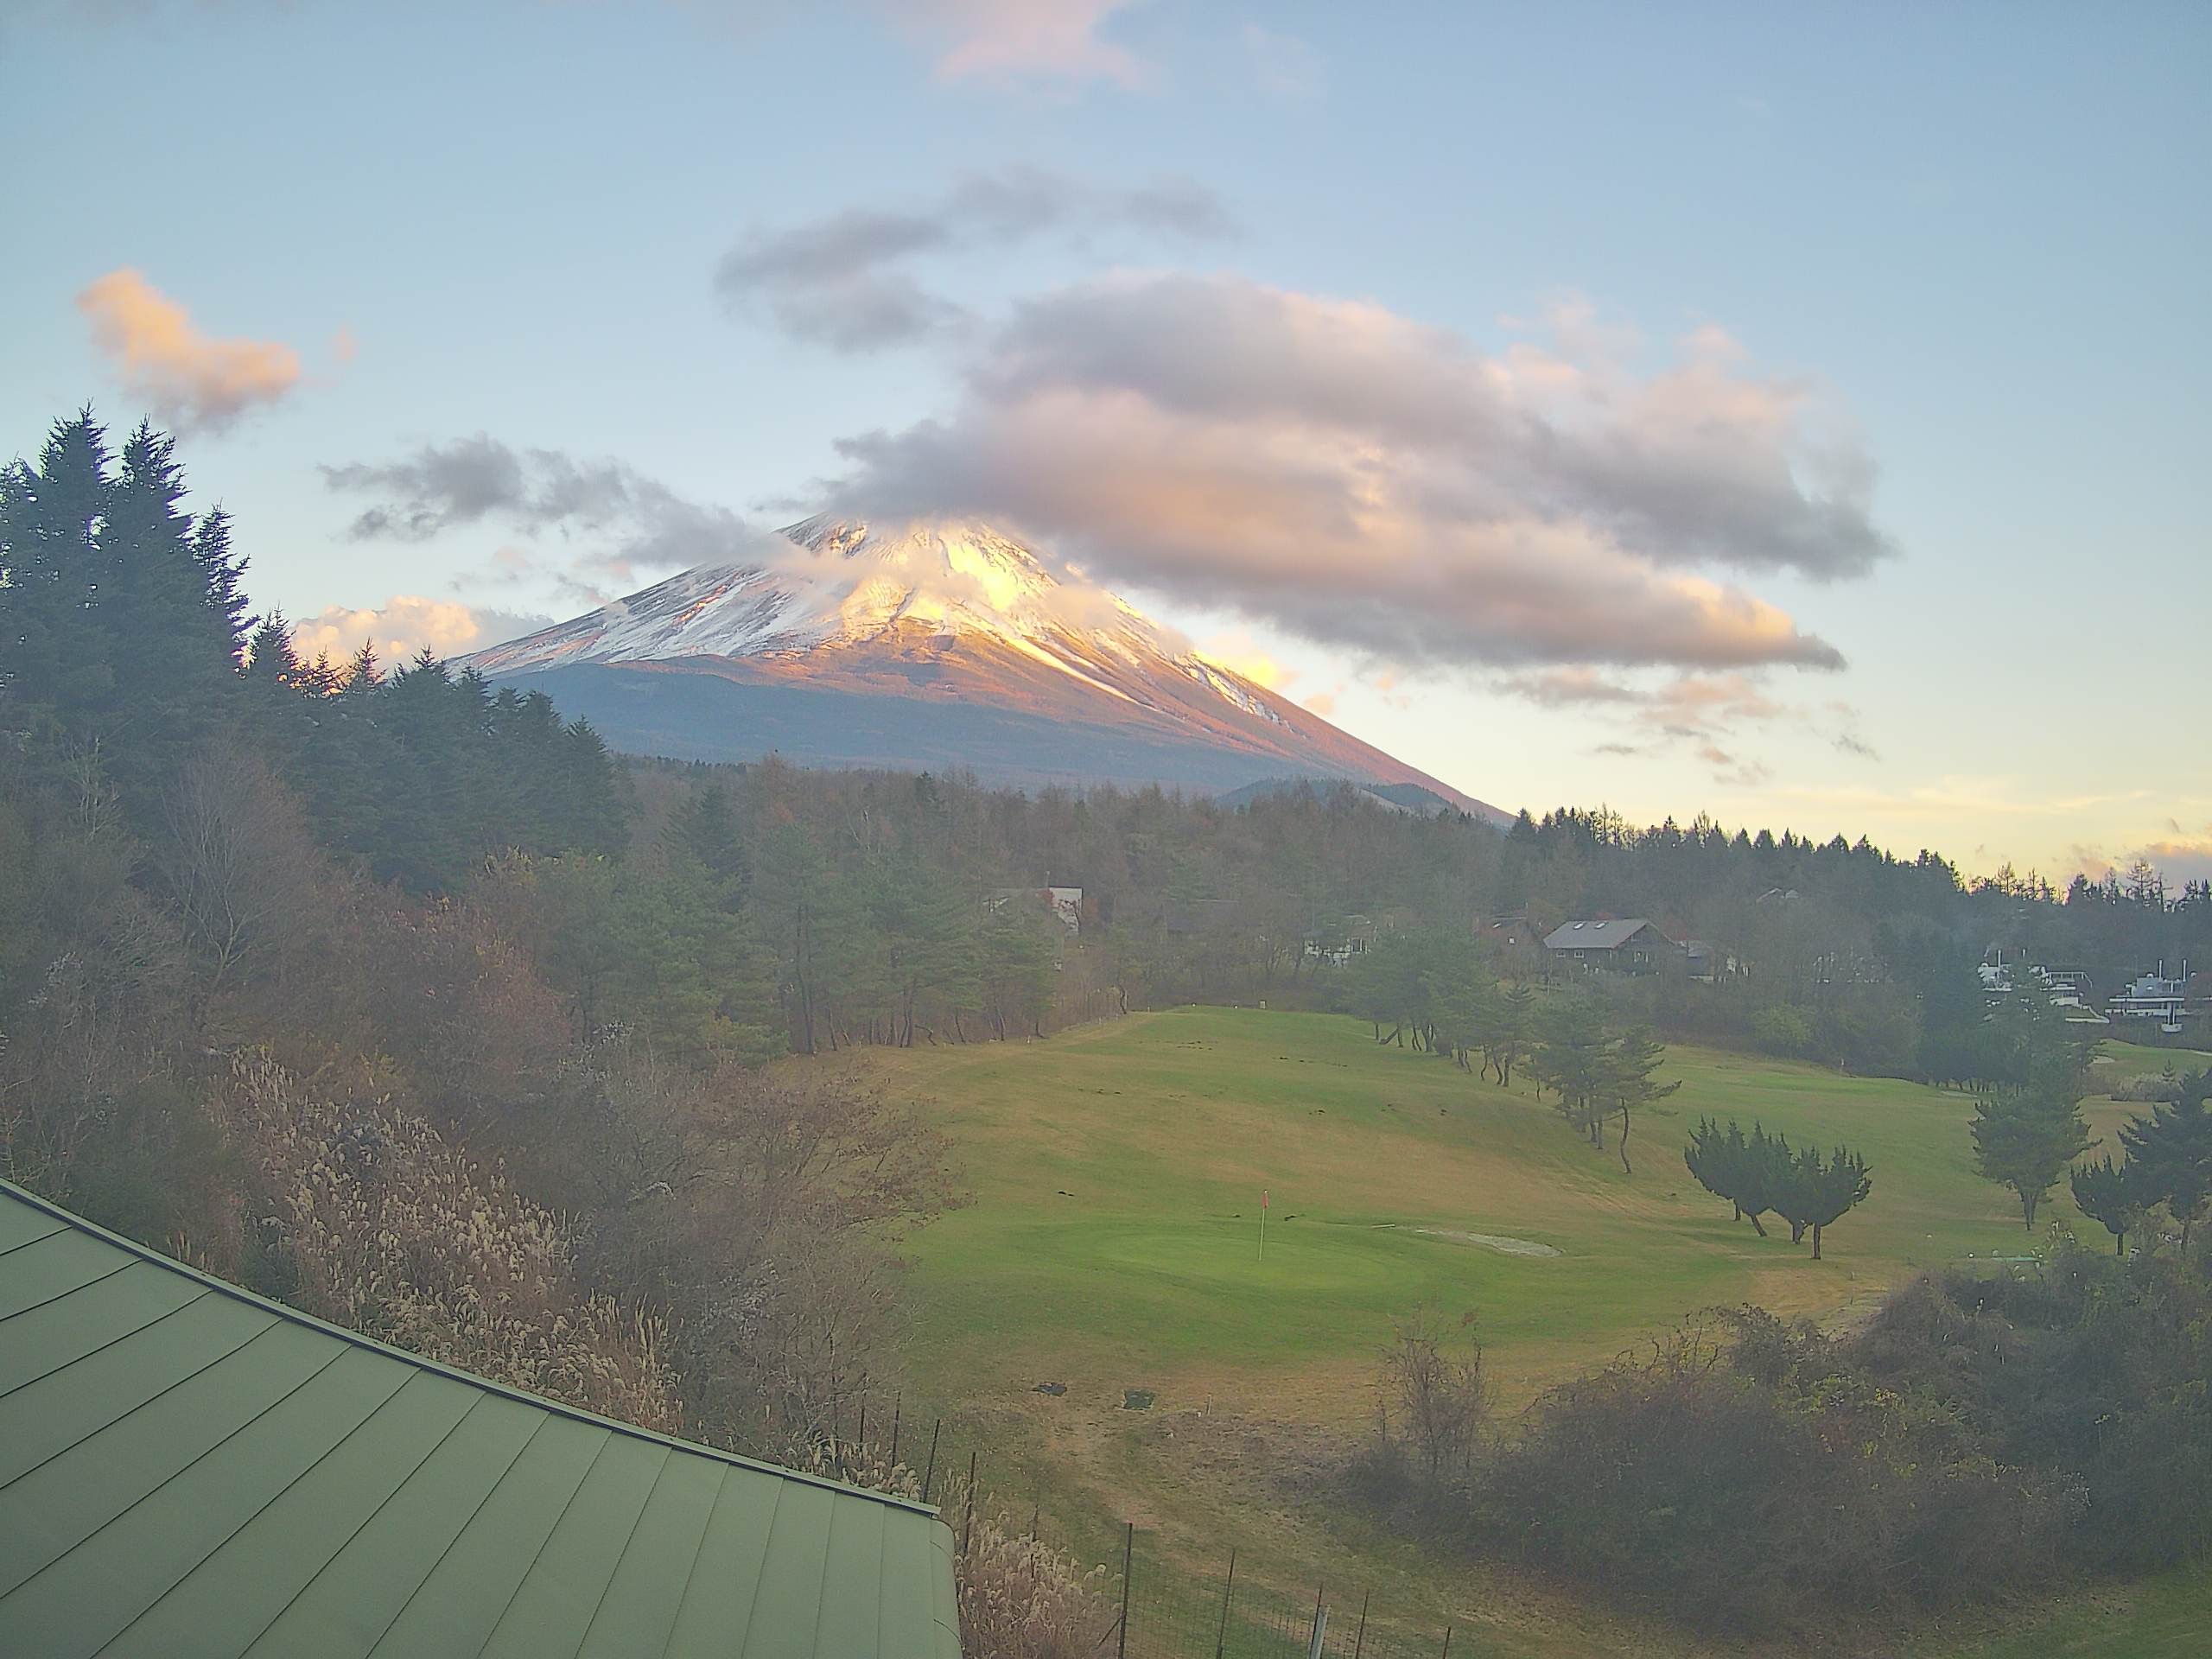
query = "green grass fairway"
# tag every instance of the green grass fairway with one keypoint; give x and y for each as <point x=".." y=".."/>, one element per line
<point x="1110" y="1243"/>
<point x="1113" y="1236"/>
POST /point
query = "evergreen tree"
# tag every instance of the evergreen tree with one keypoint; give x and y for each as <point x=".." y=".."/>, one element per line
<point x="2170" y="1155"/>
<point x="2113" y="1195"/>
<point x="1575" y="1063"/>
<point x="1816" y="1193"/>
<point x="703" y="832"/>
<point x="1513" y="1036"/>
<point x="2024" y="1140"/>
<point x="1629" y="1082"/>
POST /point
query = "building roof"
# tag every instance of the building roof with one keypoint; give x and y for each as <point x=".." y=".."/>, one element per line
<point x="1596" y="936"/>
<point x="187" y="1469"/>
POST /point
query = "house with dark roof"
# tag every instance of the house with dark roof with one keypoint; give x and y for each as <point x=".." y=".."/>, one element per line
<point x="1615" y="944"/>
<point x="190" y="1469"/>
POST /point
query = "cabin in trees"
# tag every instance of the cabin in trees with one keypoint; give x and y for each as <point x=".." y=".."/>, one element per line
<point x="1065" y="904"/>
<point x="1509" y="931"/>
<point x="1627" y="945"/>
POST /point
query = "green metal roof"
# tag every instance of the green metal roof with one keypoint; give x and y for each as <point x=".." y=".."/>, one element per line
<point x="187" y="1469"/>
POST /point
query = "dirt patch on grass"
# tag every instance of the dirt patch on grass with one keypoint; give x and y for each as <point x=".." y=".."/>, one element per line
<point x="1498" y="1242"/>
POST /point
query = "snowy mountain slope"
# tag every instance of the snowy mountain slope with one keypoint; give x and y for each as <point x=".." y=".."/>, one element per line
<point x="806" y="652"/>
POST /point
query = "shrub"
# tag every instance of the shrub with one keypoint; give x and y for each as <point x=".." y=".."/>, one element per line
<point x="1783" y="1030"/>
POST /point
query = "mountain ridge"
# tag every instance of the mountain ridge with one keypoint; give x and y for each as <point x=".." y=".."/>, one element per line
<point x="922" y="644"/>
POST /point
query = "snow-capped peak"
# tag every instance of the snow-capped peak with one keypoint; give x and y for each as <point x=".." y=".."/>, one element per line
<point x="828" y="583"/>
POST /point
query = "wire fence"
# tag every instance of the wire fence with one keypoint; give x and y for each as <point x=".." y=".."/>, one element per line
<point x="1135" y="1598"/>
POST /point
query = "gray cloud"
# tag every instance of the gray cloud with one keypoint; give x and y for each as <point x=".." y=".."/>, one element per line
<point x="840" y="281"/>
<point x="1364" y="480"/>
<point x="630" y="524"/>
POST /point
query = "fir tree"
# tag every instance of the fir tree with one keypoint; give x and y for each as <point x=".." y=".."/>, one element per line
<point x="2170" y="1155"/>
<point x="2025" y="1140"/>
<point x="2114" y="1195"/>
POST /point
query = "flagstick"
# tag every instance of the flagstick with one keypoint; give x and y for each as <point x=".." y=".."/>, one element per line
<point x="1263" y="1230"/>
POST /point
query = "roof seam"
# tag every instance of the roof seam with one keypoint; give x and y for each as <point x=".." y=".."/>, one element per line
<point x="121" y="1335"/>
<point x="58" y="1295"/>
<point x="25" y="1243"/>
<point x="274" y="1497"/>
<point x="622" y="1555"/>
<point x="567" y="1503"/>
<point x="177" y="1474"/>
<point x="315" y="1577"/>
<point x="767" y="1544"/>
<point x="139" y="1406"/>
<point x="452" y="1543"/>
<point x="355" y="1338"/>
<point x="691" y="1572"/>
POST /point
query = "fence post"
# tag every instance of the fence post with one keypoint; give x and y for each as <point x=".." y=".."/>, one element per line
<point x="968" y="1532"/>
<point x="897" y="1400"/>
<point x="1359" y="1642"/>
<point x="1448" y="1641"/>
<point x="929" y="1476"/>
<point x="1320" y="1626"/>
<point x="1128" y="1556"/>
<point x="1228" y="1589"/>
<point x="859" y="1434"/>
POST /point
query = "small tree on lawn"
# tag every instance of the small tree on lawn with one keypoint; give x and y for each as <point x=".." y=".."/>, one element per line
<point x="1706" y="1159"/>
<point x="1513" y="1033"/>
<point x="1629" y="1082"/>
<point x="1751" y="1171"/>
<point x="2173" y="1149"/>
<point x="2114" y="1195"/>
<point x="2025" y="1140"/>
<point x="1822" y="1193"/>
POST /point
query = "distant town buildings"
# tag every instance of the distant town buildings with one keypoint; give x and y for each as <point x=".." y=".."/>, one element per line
<point x="2155" y="998"/>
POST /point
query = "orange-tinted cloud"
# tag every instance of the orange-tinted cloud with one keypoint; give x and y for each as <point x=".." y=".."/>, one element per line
<point x="1239" y="653"/>
<point x="1359" y="479"/>
<point x="184" y="376"/>
<point x="403" y="625"/>
<point x="1016" y="40"/>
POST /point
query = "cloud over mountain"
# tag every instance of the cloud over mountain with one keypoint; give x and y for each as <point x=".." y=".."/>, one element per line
<point x="1366" y="480"/>
<point x="406" y="624"/>
<point x="623" y="524"/>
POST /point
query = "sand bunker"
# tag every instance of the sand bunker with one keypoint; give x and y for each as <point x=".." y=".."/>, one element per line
<point x="1498" y="1242"/>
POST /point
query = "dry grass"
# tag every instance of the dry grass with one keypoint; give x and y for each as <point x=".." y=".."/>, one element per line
<point x="364" y="1215"/>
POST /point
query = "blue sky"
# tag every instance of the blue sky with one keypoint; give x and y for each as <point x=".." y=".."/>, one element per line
<point x="1940" y="271"/>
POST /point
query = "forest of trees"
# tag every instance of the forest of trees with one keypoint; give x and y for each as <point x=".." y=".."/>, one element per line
<point x="361" y="988"/>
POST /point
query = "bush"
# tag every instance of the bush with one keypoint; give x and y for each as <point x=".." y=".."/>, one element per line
<point x="1980" y="1437"/>
<point x="1739" y="1479"/>
<point x="1782" y="1030"/>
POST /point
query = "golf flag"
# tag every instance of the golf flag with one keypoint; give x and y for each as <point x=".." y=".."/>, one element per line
<point x="1263" y="1197"/>
<point x="1264" y="1224"/>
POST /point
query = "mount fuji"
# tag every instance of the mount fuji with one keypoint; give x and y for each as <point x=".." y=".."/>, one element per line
<point x="928" y="646"/>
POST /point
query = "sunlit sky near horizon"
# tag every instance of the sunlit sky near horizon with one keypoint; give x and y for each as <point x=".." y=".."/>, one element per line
<point x="1796" y="414"/>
